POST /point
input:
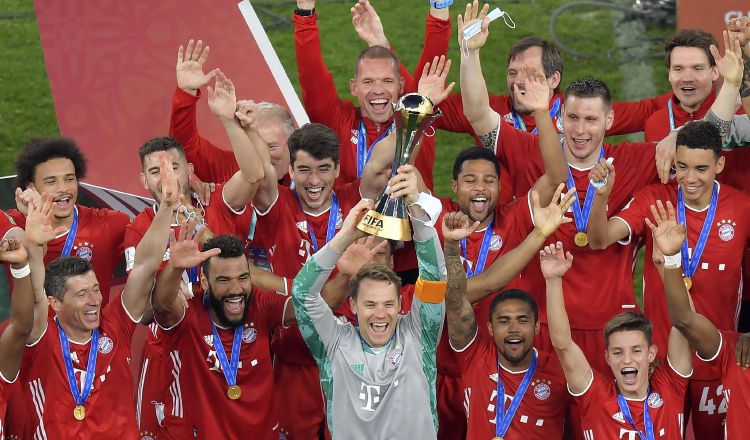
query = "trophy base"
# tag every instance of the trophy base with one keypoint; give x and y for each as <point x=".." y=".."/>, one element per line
<point x="391" y="228"/>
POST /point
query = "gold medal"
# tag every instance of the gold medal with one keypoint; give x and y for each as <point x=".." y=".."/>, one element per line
<point x="234" y="392"/>
<point x="581" y="239"/>
<point x="497" y="438"/>
<point x="688" y="282"/>
<point x="79" y="412"/>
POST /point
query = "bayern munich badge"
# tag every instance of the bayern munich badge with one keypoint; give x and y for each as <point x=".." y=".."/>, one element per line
<point x="106" y="345"/>
<point x="396" y="357"/>
<point x="726" y="230"/>
<point x="542" y="391"/>
<point x="339" y="220"/>
<point x="84" y="252"/>
<point x="249" y="334"/>
<point x="496" y="243"/>
<point x="655" y="401"/>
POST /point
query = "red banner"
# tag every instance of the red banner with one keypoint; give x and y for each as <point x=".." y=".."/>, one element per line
<point x="111" y="67"/>
<point x="711" y="18"/>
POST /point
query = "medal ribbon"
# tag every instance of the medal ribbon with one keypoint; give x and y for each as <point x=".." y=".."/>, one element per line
<point x="581" y="214"/>
<point x="671" y="116"/>
<point x="333" y="218"/>
<point x="71" y="235"/>
<point x="482" y="257"/>
<point x="647" y="424"/>
<point x="363" y="152"/>
<point x="228" y="367"/>
<point x="554" y="112"/>
<point x="502" y="418"/>
<point x="79" y="396"/>
<point x="689" y="264"/>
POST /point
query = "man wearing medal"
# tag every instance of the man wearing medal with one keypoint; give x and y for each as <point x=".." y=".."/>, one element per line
<point x="501" y="360"/>
<point x="721" y="348"/>
<point x="586" y="115"/>
<point x="645" y="401"/>
<point x="76" y="368"/>
<point x="715" y="244"/>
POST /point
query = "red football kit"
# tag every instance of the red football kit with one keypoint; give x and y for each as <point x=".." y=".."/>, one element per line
<point x="201" y="388"/>
<point x="6" y="386"/>
<point x="211" y="163"/>
<point x="47" y="399"/>
<point x="99" y="240"/>
<point x="602" y="419"/>
<point x="736" y="387"/>
<point x="543" y="408"/>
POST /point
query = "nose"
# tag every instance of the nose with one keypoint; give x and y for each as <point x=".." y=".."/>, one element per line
<point x="235" y="287"/>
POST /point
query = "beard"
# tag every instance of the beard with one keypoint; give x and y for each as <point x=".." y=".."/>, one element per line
<point x="217" y="306"/>
<point x="515" y="359"/>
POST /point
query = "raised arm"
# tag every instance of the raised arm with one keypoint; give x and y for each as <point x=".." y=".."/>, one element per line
<point x="699" y="331"/>
<point x="603" y="232"/>
<point x="247" y="147"/>
<point x="21" y="319"/>
<point x="739" y="28"/>
<point x="555" y="262"/>
<point x="503" y="270"/>
<point x="731" y="68"/>
<point x="459" y="314"/>
<point x="474" y="95"/>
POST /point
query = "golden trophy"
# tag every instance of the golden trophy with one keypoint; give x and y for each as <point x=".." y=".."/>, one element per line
<point x="413" y="114"/>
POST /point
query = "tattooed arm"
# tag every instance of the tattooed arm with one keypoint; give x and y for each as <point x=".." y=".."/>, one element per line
<point x="462" y="324"/>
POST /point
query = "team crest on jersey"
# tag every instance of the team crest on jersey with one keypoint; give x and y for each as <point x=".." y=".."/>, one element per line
<point x="148" y="436"/>
<point x="508" y="118"/>
<point x="84" y="251"/>
<point x="106" y="345"/>
<point x="542" y="391"/>
<point x="619" y="417"/>
<point x="302" y="226"/>
<point x="726" y="229"/>
<point x="396" y="357"/>
<point x="339" y="220"/>
<point x="655" y="401"/>
<point x="496" y="243"/>
<point x="249" y="334"/>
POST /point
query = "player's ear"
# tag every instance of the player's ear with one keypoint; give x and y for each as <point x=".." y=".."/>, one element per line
<point x="652" y="349"/>
<point x="204" y="282"/>
<point x="55" y="303"/>
<point x="454" y="185"/>
<point x="720" y="164"/>
<point x="190" y="168"/>
<point x="537" y="328"/>
<point x="353" y="305"/>
<point x="610" y="118"/>
<point x="554" y="80"/>
<point x="489" y="327"/>
<point x="143" y="181"/>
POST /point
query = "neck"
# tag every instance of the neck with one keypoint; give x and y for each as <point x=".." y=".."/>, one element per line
<point x="586" y="162"/>
<point x="484" y="224"/>
<point x="74" y="334"/>
<point x="638" y="394"/>
<point x="63" y="221"/>
<point x="691" y="109"/>
<point x="516" y="367"/>
<point x="315" y="211"/>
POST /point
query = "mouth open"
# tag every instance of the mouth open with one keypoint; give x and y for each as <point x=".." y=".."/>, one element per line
<point x="91" y="316"/>
<point x="379" y="328"/>
<point x="62" y="202"/>
<point x="479" y="203"/>
<point x="513" y="341"/>
<point x="629" y="375"/>
<point x="379" y="105"/>
<point x="688" y="90"/>
<point x="234" y="305"/>
<point x="314" y="193"/>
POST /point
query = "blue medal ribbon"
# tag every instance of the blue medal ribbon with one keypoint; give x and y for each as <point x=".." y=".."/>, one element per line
<point x="503" y="418"/>
<point x="363" y="152"/>
<point x="647" y="424"/>
<point x="671" y="116"/>
<point x="690" y="265"/>
<point x="333" y="218"/>
<point x="71" y="235"/>
<point x="79" y="396"/>
<point x="229" y="367"/>
<point x="482" y="257"/>
<point x="581" y="214"/>
<point x="554" y="112"/>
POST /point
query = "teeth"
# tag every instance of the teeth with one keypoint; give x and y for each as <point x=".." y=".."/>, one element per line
<point x="379" y="324"/>
<point x="379" y="101"/>
<point x="90" y="313"/>
<point x="479" y="199"/>
<point x="234" y="300"/>
<point x="314" y="190"/>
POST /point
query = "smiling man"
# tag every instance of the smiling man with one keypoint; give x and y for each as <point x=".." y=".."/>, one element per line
<point x="644" y="400"/>
<point x="379" y="375"/>
<point x="55" y="166"/>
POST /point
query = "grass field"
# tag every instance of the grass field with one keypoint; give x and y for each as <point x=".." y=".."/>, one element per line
<point x="26" y="106"/>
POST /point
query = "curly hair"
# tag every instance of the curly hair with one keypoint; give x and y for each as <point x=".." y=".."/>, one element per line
<point x="40" y="150"/>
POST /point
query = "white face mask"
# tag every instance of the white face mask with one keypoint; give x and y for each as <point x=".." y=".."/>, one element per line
<point x="476" y="28"/>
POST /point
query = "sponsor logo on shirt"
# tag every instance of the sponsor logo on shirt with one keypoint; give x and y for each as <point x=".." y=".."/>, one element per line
<point x="726" y="229"/>
<point x="655" y="401"/>
<point x="358" y="368"/>
<point x="209" y="340"/>
<point x="619" y="417"/>
<point x="249" y="334"/>
<point x="84" y="251"/>
<point x="496" y="243"/>
<point x="542" y="391"/>
<point x="302" y="226"/>
<point x="106" y="345"/>
<point x="370" y="396"/>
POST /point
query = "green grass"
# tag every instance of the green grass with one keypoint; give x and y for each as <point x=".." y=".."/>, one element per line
<point x="26" y="107"/>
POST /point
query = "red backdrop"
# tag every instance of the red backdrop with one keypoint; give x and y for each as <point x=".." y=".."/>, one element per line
<point x="710" y="16"/>
<point x="111" y="70"/>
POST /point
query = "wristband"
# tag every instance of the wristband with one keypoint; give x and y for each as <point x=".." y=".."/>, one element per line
<point x="441" y="4"/>
<point x="21" y="273"/>
<point x="673" y="261"/>
<point x="304" y="12"/>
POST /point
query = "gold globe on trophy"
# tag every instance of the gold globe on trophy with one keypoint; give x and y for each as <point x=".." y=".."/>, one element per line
<point x="413" y="115"/>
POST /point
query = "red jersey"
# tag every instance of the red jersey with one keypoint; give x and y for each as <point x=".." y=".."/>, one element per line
<point x="717" y="282"/>
<point x="220" y="218"/>
<point x="510" y="227"/>
<point x="543" y="408"/>
<point x="660" y="124"/>
<point x="324" y="106"/>
<point x="49" y="403"/>
<point x="202" y="395"/>
<point x="5" y="390"/>
<point x="592" y="271"/>
<point x="735" y="383"/>
<point x="99" y="240"/>
<point x="601" y="418"/>
<point x="211" y="163"/>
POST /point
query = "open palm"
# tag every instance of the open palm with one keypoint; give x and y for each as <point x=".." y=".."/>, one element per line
<point x="668" y="235"/>
<point x="189" y="69"/>
<point x="554" y="261"/>
<point x="39" y="230"/>
<point x="184" y="252"/>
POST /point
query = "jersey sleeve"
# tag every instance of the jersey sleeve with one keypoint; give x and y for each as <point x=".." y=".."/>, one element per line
<point x="317" y="324"/>
<point x="210" y="163"/>
<point x="470" y="354"/>
<point x="117" y="223"/>
<point x="131" y="237"/>
<point x="437" y="36"/>
<point x="272" y="306"/>
<point x="319" y="93"/>
<point x="631" y="116"/>
<point x="116" y="316"/>
<point x="266" y="226"/>
<point x="594" y="394"/>
<point x="6" y="224"/>
<point x="635" y="213"/>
